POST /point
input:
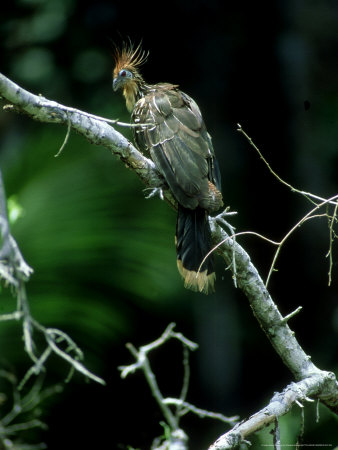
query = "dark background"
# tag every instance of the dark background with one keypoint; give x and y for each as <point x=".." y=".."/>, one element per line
<point x="104" y="257"/>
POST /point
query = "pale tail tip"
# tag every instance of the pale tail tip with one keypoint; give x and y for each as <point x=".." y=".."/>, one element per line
<point x="197" y="281"/>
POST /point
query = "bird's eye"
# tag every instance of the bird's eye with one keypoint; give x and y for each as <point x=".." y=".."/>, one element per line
<point x="123" y="73"/>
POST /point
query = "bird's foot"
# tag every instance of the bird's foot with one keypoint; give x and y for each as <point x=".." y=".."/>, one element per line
<point x="154" y="191"/>
<point x="220" y="218"/>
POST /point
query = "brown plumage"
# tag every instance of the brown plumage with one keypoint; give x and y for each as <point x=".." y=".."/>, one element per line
<point x="181" y="148"/>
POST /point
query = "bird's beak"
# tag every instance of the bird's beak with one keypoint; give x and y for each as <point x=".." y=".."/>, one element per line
<point x="116" y="84"/>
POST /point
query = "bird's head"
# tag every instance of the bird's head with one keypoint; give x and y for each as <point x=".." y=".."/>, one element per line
<point x="122" y="78"/>
<point x="126" y="75"/>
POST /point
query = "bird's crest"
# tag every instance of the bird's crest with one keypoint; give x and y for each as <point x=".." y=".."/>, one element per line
<point x="129" y="57"/>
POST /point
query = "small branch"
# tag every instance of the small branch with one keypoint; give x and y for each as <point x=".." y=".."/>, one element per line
<point x="308" y="216"/>
<point x="266" y="312"/>
<point x="16" y="271"/>
<point x="182" y="406"/>
<point x="54" y="338"/>
<point x="308" y="195"/>
<point x="23" y="411"/>
<point x="292" y="314"/>
<point x="276" y="436"/>
<point x="186" y="379"/>
<point x="331" y="238"/>
<point x="280" y="404"/>
<point x="69" y="127"/>
<point x="202" y="413"/>
<point x="144" y="364"/>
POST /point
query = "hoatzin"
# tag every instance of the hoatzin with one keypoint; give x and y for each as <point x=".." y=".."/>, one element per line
<point x="172" y="130"/>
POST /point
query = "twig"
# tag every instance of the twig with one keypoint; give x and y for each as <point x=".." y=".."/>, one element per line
<point x="292" y="314"/>
<point x="308" y="195"/>
<point x="308" y="216"/>
<point x="266" y="312"/>
<point x="142" y="362"/>
<point x="331" y="237"/>
<point x="17" y="274"/>
<point x="66" y="138"/>
<point x="17" y="419"/>
<point x="188" y="407"/>
<point x="276" y="436"/>
<point x="182" y="406"/>
<point x="186" y="379"/>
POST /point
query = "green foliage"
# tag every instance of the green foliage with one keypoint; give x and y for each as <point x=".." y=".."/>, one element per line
<point x="92" y="238"/>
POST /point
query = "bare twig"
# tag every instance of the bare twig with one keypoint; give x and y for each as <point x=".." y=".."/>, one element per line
<point x="332" y="221"/>
<point x="17" y="418"/>
<point x="188" y="407"/>
<point x="182" y="406"/>
<point x="292" y="314"/>
<point x="17" y="274"/>
<point x="265" y="310"/>
<point x="307" y="195"/>
<point x="69" y="127"/>
<point x="308" y="216"/>
<point x="276" y="436"/>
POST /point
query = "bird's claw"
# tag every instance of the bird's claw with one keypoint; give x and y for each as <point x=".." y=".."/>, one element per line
<point x="155" y="191"/>
<point x="220" y="218"/>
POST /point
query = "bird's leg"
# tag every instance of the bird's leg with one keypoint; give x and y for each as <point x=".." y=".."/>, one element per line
<point x="220" y="218"/>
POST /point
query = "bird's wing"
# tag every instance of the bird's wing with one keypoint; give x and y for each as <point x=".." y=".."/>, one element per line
<point x="178" y="143"/>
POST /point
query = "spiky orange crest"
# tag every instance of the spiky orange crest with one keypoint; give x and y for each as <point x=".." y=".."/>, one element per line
<point x="129" y="58"/>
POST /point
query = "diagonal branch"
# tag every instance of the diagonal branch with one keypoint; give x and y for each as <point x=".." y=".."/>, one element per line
<point x="274" y="325"/>
<point x="95" y="129"/>
<point x="280" y="404"/>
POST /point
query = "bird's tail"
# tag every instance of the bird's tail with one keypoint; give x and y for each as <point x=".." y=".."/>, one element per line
<point x="193" y="243"/>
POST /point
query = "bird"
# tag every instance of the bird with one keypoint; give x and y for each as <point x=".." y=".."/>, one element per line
<point x="171" y="129"/>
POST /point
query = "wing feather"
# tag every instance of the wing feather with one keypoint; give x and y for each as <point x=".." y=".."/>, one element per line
<point x="178" y="142"/>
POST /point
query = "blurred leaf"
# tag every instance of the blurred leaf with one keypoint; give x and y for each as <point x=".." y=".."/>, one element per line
<point x="90" y="235"/>
<point x="15" y="210"/>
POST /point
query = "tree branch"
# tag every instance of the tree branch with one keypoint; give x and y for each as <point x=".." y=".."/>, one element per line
<point x="177" y="439"/>
<point x="280" y="404"/>
<point x="15" y="271"/>
<point x="270" y="319"/>
<point x="97" y="131"/>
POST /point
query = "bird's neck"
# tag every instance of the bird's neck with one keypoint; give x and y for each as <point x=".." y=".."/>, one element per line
<point x="133" y="91"/>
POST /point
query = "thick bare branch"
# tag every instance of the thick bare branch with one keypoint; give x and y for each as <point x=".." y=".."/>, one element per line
<point x="280" y="404"/>
<point x="266" y="312"/>
<point x="95" y="129"/>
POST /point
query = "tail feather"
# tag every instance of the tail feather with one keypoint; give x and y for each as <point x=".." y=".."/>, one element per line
<point x="193" y="243"/>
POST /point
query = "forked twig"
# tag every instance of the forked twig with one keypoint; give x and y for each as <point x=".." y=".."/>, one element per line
<point x="182" y="406"/>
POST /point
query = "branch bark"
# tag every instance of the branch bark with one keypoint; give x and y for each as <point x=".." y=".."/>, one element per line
<point x="280" y="404"/>
<point x="320" y="384"/>
<point x="95" y="130"/>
